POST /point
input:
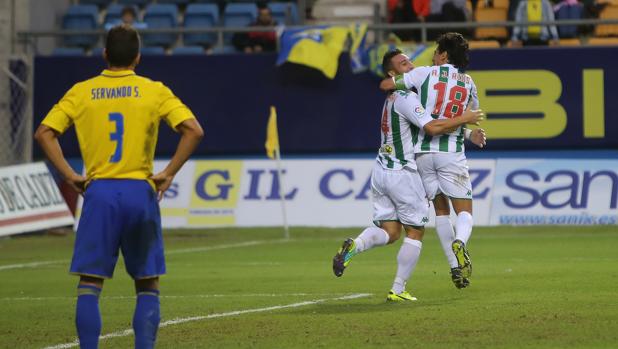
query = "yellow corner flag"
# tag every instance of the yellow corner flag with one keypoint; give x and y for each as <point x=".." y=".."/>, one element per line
<point x="272" y="135"/>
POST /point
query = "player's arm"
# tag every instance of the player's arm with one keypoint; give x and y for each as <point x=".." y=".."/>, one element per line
<point x="405" y="81"/>
<point x="182" y="120"/>
<point x="47" y="138"/>
<point x="442" y="126"/>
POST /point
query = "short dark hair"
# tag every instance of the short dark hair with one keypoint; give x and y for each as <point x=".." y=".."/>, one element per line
<point x="456" y="46"/>
<point x="387" y="60"/>
<point x="128" y="9"/>
<point x="122" y="45"/>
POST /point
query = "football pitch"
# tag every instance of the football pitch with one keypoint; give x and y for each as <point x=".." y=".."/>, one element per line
<point x="532" y="287"/>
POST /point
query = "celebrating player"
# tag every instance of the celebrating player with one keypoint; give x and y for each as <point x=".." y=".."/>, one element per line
<point x="399" y="199"/>
<point x="116" y="117"/>
<point x="447" y="92"/>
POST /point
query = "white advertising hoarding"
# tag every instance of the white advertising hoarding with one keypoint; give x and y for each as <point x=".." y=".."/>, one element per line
<point x="30" y="200"/>
<point x="320" y="192"/>
<point x="555" y="192"/>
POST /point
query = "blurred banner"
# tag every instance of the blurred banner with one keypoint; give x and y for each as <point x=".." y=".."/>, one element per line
<point x="30" y="200"/>
<point x="337" y="193"/>
<point x="536" y="98"/>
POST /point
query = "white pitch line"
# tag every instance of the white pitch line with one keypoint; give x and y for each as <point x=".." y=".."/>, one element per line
<point x="196" y="296"/>
<point x="29" y="265"/>
<point x="178" y="321"/>
<point x="171" y="252"/>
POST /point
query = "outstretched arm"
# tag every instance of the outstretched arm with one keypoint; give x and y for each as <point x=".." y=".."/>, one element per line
<point x="191" y="134"/>
<point x="48" y="140"/>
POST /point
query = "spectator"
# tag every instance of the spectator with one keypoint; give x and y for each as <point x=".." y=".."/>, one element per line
<point x="255" y="42"/>
<point x="449" y="11"/>
<point x="534" y="11"/>
<point x="568" y="9"/>
<point x="127" y="16"/>
<point x="408" y="11"/>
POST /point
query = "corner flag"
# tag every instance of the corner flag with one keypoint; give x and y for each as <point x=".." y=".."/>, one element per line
<point x="272" y="135"/>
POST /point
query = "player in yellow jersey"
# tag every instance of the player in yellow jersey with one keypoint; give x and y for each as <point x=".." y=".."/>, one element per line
<point x="116" y="117"/>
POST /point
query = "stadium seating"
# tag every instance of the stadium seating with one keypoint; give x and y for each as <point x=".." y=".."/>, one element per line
<point x="152" y="50"/>
<point x="238" y="15"/>
<point x="140" y="3"/>
<point x="177" y="2"/>
<point x="610" y="12"/>
<point x="280" y="12"/>
<point x="201" y="16"/>
<point x="493" y="4"/>
<point x="569" y="12"/>
<point x="100" y="3"/>
<point x="569" y="42"/>
<point x="81" y="17"/>
<point x="474" y="44"/>
<point x="224" y="50"/>
<point x="114" y="13"/>
<point x="603" y="41"/>
<point x="188" y="50"/>
<point x="67" y="51"/>
<point x="160" y="17"/>
<point x="491" y="15"/>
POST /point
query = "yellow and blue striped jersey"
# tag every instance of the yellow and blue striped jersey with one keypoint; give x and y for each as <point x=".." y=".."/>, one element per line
<point x="116" y="117"/>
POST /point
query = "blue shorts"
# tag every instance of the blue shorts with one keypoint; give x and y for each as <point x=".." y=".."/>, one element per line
<point x="119" y="214"/>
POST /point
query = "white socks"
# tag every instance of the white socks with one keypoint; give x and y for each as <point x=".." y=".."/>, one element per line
<point x="370" y="238"/>
<point x="463" y="226"/>
<point x="407" y="258"/>
<point x="444" y="228"/>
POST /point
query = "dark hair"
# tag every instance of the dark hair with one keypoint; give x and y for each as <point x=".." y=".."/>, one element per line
<point x="122" y="45"/>
<point x="456" y="46"/>
<point x="387" y="60"/>
<point x="128" y="9"/>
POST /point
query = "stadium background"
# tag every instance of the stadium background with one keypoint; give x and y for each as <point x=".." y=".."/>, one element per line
<point x="551" y="159"/>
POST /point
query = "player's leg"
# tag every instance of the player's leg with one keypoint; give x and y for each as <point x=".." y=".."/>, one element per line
<point x="455" y="183"/>
<point x="147" y="313"/>
<point x="412" y="209"/>
<point x="94" y="257"/>
<point x="387" y="229"/>
<point x="142" y="249"/>
<point x="444" y="228"/>
<point x="87" y="313"/>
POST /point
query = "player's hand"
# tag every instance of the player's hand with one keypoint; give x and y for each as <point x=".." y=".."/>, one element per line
<point x="77" y="182"/>
<point x="162" y="181"/>
<point x="473" y="117"/>
<point x="478" y="137"/>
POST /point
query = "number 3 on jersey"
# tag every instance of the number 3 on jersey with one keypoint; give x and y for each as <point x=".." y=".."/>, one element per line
<point x="117" y="136"/>
<point x="455" y="105"/>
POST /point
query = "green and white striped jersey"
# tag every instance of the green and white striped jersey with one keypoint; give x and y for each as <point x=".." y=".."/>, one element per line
<point x="402" y="118"/>
<point x="445" y="93"/>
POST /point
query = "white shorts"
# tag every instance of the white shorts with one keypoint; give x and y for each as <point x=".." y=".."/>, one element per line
<point x="445" y="173"/>
<point x="398" y="195"/>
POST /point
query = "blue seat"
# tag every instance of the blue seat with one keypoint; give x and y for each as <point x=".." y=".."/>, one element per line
<point x="224" y="50"/>
<point x="152" y="50"/>
<point x="177" y="2"/>
<point x="97" y="52"/>
<point x="201" y="16"/>
<point x="114" y="13"/>
<point x="238" y="15"/>
<point x="67" y="51"/>
<point x="100" y="3"/>
<point x="280" y="12"/>
<point x="188" y="50"/>
<point x="161" y="17"/>
<point x="81" y="17"/>
<point x="140" y="3"/>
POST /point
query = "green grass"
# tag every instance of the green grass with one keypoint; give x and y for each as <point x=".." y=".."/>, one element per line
<point x="538" y="287"/>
